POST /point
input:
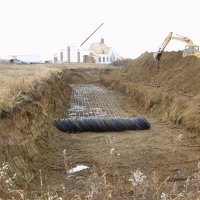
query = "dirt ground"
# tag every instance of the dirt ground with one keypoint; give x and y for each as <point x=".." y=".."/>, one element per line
<point x="154" y="150"/>
<point x="34" y="148"/>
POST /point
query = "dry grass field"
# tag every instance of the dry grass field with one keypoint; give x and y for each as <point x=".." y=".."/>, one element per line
<point x="15" y="79"/>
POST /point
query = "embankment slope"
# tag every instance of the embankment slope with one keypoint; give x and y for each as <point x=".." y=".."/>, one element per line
<point x="173" y="91"/>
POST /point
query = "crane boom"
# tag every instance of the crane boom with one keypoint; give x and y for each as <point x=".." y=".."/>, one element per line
<point x="91" y="34"/>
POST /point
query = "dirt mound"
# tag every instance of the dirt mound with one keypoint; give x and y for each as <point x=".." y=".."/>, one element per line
<point x="176" y="73"/>
<point x="173" y="90"/>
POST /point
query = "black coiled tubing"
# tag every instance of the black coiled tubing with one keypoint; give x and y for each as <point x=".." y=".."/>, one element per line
<point x="73" y="125"/>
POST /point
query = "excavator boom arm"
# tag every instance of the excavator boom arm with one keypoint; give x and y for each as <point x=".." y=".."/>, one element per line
<point x="190" y="48"/>
<point x="183" y="39"/>
<point x="165" y="43"/>
<point x="188" y="41"/>
<point x="158" y="54"/>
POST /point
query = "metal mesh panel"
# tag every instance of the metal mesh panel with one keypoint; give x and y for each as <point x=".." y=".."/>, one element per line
<point x="89" y="100"/>
<point x="94" y="108"/>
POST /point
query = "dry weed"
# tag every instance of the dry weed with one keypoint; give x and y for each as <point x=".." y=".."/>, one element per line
<point x="98" y="187"/>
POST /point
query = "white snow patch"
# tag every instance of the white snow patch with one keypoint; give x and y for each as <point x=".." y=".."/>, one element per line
<point x="77" y="169"/>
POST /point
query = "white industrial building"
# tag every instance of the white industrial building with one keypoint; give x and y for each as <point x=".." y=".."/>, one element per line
<point x="25" y="59"/>
<point x="21" y="59"/>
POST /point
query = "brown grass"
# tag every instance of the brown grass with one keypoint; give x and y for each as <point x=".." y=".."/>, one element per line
<point x="17" y="78"/>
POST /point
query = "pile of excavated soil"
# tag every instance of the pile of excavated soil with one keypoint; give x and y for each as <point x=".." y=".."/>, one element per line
<point x="176" y="73"/>
<point x="173" y="91"/>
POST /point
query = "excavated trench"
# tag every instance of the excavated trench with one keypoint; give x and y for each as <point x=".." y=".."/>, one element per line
<point x="26" y="131"/>
<point x="33" y="148"/>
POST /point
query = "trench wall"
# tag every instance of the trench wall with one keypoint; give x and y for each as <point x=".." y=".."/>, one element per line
<point x="171" y="93"/>
<point x="23" y="131"/>
<point x="29" y="121"/>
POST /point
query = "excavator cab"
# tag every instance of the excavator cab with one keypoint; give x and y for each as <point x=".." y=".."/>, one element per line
<point x="190" y="50"/>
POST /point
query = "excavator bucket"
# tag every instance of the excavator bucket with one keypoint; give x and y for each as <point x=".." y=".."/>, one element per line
<point x="157" y="55"/>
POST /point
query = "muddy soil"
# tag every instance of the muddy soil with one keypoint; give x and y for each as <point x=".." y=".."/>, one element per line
<point x="109" y="156"/>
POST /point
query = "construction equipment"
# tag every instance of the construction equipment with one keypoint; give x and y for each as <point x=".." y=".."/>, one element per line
<point x="91" y="34"/>
<point x="190" y="47"/>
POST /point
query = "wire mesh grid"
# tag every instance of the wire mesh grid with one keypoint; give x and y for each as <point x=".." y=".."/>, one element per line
<point x="93" y="101"/>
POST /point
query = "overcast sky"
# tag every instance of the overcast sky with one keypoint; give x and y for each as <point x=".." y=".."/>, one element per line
<point x="43" y="27"/>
